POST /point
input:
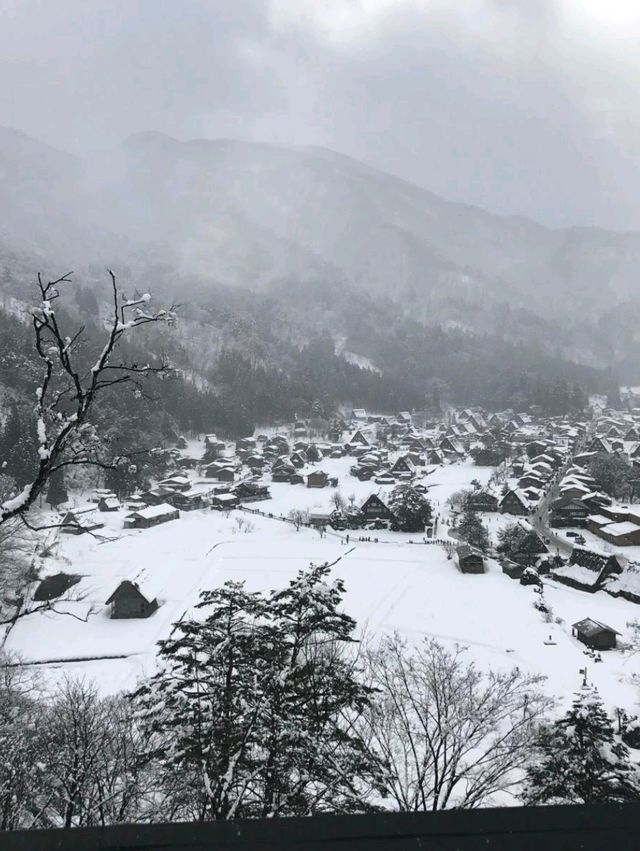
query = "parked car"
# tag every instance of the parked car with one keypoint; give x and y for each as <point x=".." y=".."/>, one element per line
<point x="580" y="539"/>
<point x="572" y="534"/>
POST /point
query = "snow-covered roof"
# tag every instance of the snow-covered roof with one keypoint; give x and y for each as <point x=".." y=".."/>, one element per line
<point x="627" y="581"/>
<point x="589" y="626"/>
<point x="578" y="573"/>
<point x="599" y="519"/>
<point x="625" y="527"/>
<point x="153" y="511"/>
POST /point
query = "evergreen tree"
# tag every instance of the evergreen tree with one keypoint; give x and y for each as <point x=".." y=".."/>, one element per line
<point x="57" y="490"/>
<point x="248" y="712"/>
<point x="314" y="762"/>
<point x="411" y="508"/>
<point x="204" y="706"/>
<point x="18" y="447"/>
<point x="580" y="760"/>
<point x="517" y="542"/>
<point x="471" y="529"/>
<point x="314" y="454"/>
<point x="612" y="473"/>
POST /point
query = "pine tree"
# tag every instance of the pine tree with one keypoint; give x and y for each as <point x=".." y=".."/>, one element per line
<point x="248" y="711"/>
<point x="19" y="447"/>
<point x="314" y="762"/>
<point x="57" y="491"/>
<point x="204" y="706"/>
<point x="411" y="509"/>
<point x="579" y="759"/>
<point x="472" y="530"/>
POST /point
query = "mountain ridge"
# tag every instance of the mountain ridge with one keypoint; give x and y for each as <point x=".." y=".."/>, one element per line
<point x="250" y="214"/>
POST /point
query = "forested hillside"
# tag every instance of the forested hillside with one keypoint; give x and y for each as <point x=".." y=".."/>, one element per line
<point x="243" y="359"/>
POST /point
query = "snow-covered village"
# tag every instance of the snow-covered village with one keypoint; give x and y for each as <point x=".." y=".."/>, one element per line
<point x="494" y="552"/>
<point x="319" y="425"/>
<point x="526" y="560"/>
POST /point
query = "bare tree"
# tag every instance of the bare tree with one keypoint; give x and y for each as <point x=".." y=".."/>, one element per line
<point x="298" y="517"/>
<point x="92" y="749"/>
<point x="20" y="768"/>
<point x="446" y="734"/>
<point x="338" y="500"/>
<point x="67" y="390"/>
<point x="16" y="549"/>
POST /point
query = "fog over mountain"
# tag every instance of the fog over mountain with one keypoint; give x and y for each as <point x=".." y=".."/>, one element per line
<point x="250" y="215"/>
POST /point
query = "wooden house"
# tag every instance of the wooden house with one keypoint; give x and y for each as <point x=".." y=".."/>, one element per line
<point x="153" y="515"/>
<point x="128" y="601"/>
<point x="469" y="560"/>
<point x="404" y="467"/>
<point x="224" y="501"/>
<point x="565" y="512"/>
<point x="187" y="501"/>
<point x="482" y="501"/>
<point x="514" y="502"/>
<point x="256" y="462"/>
<point x="623" y="534"/>
<point x="317" y="479"/>
<point x="251" y="492"/>
<point x="247" y="444"/>
<point x="452" y="446"/>
<point x="176" y="483"/>
<point x="600" y="444"/>
<point x="76" y="521"/>
<point x="109" y="503"/>
<point x="155" y="496"/>
<point x="512" y="569"/>
<point x="299" y="459"/>
<point x="357" y="438"/>
<point x="374" y="508"/>
<point x="101" y="493"/>
<point x="588" y="569"/>
<point x="594" y="634"/>
<point x="530" y="480"/>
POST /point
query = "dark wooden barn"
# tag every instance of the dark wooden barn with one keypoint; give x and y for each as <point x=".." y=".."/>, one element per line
<point x="317" y="479"/>
<point x="594" y="634"/>
<point x="128" y="601"/>
<point x="374" y="508"/>
<point x="469" y="560"/>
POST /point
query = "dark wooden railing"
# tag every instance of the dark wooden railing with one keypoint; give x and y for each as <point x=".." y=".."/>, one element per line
<point x="603" y="827"/>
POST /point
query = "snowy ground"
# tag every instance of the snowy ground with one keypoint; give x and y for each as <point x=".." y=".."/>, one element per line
<point x="392" y="585"/>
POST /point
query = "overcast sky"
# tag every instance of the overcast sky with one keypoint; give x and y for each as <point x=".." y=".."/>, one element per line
<point x="525" y="106"/>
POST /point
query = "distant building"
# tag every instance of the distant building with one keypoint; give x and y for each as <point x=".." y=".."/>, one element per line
<point x="482" y="501"/>
<point x="594" y="634"/>
<point x="469" y="560"/>
<point x="588" y="569"/>
<point x="153" y="515"/>
<point x="108" y="503"/>
<point x="514" y="502"/>
<point x="317" y="479"/>
<point x="374" y="508"/>
<point x="624" y="534"/>
<point x="128" y="601"/>
<point x="79" y="520"/>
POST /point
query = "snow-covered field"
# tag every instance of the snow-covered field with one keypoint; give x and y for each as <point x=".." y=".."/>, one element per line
<point x="391" y="585"/>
